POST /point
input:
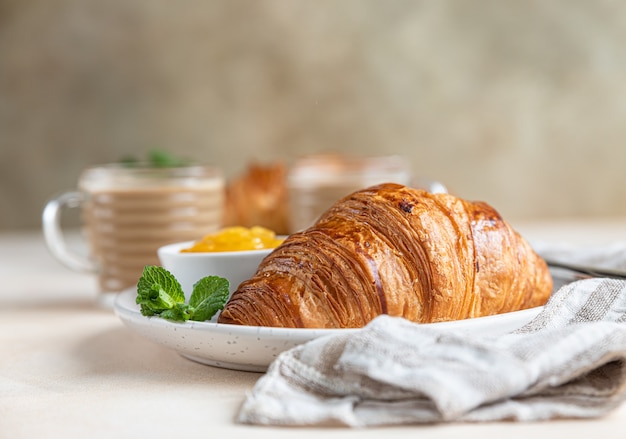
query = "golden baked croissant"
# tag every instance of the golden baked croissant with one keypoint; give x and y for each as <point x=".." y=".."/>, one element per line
<point x="258" y="197"/>
<point x="390" y="249"/>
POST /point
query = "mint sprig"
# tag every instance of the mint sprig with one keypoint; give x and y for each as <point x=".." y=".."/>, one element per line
<point x="157" y="158"/>
<point x="159" y="294"/>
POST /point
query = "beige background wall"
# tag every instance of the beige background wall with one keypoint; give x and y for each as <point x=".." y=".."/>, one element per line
<point x="522" y="104"/>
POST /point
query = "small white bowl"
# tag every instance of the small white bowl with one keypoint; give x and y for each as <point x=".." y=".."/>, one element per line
<point x="190" y="267"/>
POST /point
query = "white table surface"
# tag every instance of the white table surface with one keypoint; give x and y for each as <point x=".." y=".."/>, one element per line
<point x="70" y="368"/>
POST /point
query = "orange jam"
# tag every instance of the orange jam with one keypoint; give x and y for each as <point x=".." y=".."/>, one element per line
<point x="235" y="239"/>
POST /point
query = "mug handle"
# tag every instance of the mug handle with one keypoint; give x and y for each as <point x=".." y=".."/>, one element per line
<point x="430" y="185"/>
<point x="53" y="234"/>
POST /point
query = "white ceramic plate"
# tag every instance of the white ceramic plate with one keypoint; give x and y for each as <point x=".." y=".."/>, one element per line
<point x="252" y="348"/>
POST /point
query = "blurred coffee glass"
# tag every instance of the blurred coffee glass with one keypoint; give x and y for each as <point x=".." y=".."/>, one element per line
<point x="128" y="212"/>
<point x="316" y="182"/>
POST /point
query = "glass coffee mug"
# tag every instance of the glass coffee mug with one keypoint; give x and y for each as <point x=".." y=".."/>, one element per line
<point x="316" y="182"/>
<point x="127" y="213"/>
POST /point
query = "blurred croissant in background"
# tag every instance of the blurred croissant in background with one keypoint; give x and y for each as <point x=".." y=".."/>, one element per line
<point x="258" y="197"/>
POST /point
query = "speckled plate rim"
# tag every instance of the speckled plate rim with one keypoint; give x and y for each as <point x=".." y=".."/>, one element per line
<point x="252" y="348"/>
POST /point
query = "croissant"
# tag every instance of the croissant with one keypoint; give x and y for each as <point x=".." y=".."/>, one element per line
<point x="258" y="197"/>
<point x="391" y="249"/>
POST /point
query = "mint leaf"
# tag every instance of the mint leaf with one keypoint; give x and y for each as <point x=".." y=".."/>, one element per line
<point x="180" y="312"/>
<point x="163" y="159"/>
<point x="158" y="291"/>
<point x="157" y="158"/>
<point x="209" y="295"/>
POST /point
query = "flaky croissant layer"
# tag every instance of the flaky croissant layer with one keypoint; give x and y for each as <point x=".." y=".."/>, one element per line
<point x="391" y="249"/>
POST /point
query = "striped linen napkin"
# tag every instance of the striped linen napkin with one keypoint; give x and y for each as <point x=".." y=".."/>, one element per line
<point x="568" y="362"/>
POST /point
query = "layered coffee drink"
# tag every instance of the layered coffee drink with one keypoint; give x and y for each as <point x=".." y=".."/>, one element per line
<point x="316" y="182"/>
<point x="128" y="213"/>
